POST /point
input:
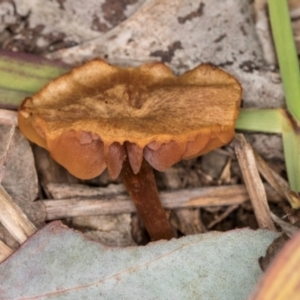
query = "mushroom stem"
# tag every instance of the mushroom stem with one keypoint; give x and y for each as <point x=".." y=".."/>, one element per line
<point x="143" y="191"/>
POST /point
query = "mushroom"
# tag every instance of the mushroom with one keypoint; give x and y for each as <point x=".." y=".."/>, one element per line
<point x="129" y="120"/>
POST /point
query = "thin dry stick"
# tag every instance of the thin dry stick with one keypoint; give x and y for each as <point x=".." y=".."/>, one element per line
<point x="13" y="219"/>
<point x="253" y="182"/>
<point x="5" y="251"/>
<point x="225" y="176"/>
<point x="118" y="203"/>
<point x="221" y="217"/>
<point x="288" y="228"/>
<point x="279" y="184"/>
<point x="8" y="117"/>
<point x="197" y="221"/>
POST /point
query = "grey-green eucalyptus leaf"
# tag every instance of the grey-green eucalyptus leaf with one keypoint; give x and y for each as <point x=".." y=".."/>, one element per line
<point x="59" y="263"/>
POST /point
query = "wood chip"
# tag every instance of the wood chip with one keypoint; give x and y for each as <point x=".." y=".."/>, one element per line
<point x="5" y="155"/>
<point x="5" y="251"/>
<point x="253" y="182"/>
<point x="189" y="221"/>
<point x="14" y="220"/>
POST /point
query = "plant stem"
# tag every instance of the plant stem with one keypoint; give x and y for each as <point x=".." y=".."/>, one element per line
<point x="286" y="53"/>
<point x="143" y="191"/>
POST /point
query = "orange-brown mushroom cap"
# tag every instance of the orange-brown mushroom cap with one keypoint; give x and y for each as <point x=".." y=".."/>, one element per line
<point x="94" y="116"/>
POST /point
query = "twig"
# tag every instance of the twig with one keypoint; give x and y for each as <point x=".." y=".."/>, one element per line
<point x="221" y="217"/>
<point x="13" y="219"/>
<point x="225" y="176"/>
<point x="120" y="203"/>
<point x="288" y="228"/>
<point x="5" y="251"/>
<point x="253" y="182"/>
<point x="276" y="181"/>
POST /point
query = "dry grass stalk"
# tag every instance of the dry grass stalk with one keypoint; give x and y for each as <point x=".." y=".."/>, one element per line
<point x="221" y="217"/>
<point x="8" y="117"/>
<point x="119" y="203"/>
<point x="13" y="219"/>
<point x="5" y="251"/>
<point x="275" y="180"/>
<point x="253" y="182"/>
<point x="225" y="176"/>
<point x="288" y="228"/>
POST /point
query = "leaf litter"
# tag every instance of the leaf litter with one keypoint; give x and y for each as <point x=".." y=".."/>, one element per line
<point x="185" y="175"/>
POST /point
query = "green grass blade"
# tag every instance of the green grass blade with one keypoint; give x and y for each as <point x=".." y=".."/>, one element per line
<point x="291" y="146"/>
<point x="25" y="72"/>
<point x="21" y="81"/>
<point x="286" y="53"/>
<point x="262" y="120"/>
<point x="11" y="99"/>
